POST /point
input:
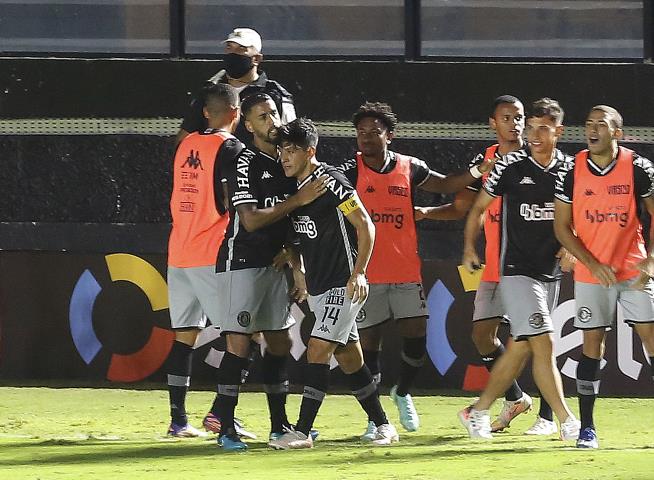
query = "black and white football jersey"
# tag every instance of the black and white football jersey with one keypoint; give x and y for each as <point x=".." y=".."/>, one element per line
<point x="528" y="245"/>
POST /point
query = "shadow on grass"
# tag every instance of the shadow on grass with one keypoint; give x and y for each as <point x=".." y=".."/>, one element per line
<point x="71" y="452"/>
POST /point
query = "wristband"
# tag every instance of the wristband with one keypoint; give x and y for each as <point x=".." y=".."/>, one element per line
<point x="474" y="171"/>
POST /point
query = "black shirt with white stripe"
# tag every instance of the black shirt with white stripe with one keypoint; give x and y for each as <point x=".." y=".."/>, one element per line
<point x="254" y="178"/>
<point x="328" y="241"/>
<point x="528" y="246"/>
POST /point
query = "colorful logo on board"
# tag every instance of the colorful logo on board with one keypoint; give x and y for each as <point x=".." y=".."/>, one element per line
<point x="149" y="358"/>
<point x="439" y="347"/>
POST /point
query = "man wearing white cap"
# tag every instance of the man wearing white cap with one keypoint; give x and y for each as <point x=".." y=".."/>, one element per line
<point x="240" y="70"/>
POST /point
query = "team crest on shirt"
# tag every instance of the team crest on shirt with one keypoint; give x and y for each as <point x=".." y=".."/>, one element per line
<point x="361" y="316"/>
<point x="584" y="314"/>
<point x="536" y="320"/>
<point x="243" y="318"/>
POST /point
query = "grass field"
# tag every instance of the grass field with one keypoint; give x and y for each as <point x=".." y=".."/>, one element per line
<point x="73" y="433"/>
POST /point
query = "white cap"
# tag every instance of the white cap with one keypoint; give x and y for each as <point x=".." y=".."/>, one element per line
<point x="245" y="37"/>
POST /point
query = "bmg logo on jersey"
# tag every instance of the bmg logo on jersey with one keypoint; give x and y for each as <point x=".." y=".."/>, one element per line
<point x="536" y="213"/>
<point x="621" y="218"/>
<point x="397" y="219"/>
<point x="305" y="225"/>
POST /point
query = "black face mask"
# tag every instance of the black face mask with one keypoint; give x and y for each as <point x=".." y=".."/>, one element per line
<point x="237" y="65"/>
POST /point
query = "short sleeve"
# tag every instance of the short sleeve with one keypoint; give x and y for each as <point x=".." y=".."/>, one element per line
<point x="564" y="184"/>
<point x="643" y="177"/>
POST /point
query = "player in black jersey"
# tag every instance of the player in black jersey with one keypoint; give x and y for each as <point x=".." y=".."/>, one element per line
<point x="336" y="238"/>
<point x="256" y="293"/>
<point x="529" y="265"/>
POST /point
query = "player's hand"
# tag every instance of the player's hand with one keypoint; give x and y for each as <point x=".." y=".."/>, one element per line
<point x="281" y="259"/>
<point x="312" y="190"/>
<point x="485" y="166"/>
<point x="470" y="261"/>
<point x="646" y="268"/>
<point x="567" y="261"/>
<point x="604" y="274"/>
<point x="357" y="288"/>
<point x="420" y="213"/>
<point x="299" y="291"/>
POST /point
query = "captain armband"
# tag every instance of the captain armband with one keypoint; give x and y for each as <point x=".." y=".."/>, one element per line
<point x="350" y="205"/>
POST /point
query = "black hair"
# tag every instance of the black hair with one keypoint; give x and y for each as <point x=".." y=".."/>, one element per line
<point x="379" y="110"/>
<point x="301" y="132"/>
<point x="615" y="116"/>
<point x="220" y="96"/>
<point x="546" y="107"/>
<point x="251" y="101"/>
<point x="501" y="100"/>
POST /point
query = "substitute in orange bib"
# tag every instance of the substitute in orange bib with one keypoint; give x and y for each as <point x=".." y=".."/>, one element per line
<point x="199" y="221"/>
<point x="507" y="119"/>
<point x="385" y="181"/>
<point x="596" y="219"/>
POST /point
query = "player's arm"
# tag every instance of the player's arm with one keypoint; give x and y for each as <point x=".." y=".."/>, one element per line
<point x="450" y="211"/>
<point x="253" y="218"/>
<point x="356" y="214"/>
<point x="471" y="231"/>
<point x="564" y="231"/>
<point x="453" y="183"/>
<point x="646" y="267"/>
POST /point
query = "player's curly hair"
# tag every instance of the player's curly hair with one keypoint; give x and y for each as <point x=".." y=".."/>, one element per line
<point x="379" y="110"/>
<point x="301" y="132"/>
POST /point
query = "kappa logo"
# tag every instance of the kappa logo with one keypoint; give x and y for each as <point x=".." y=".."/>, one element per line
<point x="193" y="161"/>
<point x="323" y="328"/>
<point x="370" y="189"/>
<point x="589" y="192"/>
<point x="266" y="174"/>
<point x="526" y="181"/>
<point x="584" y="314"/>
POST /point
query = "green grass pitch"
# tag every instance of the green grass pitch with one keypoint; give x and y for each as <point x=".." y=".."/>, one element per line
<point x="84" y="433"/>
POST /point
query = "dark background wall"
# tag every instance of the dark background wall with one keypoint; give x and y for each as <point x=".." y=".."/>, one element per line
<point x="324" y="90"/>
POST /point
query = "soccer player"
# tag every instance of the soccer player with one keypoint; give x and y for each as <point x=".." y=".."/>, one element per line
<point x="597" y="220"/>
<point x="199" y="221"/>
<point x="507" y="119"/>
<point x="336" y="240"/>
<point x="257" y="295"/>
<point x="529" y="270"/>
<point x="385" y="181"/>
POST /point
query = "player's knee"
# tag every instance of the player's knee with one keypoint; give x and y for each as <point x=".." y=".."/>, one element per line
<point x="279" y="345"/>
<point x="484" y="340"/>
<point x="413" y="327"/>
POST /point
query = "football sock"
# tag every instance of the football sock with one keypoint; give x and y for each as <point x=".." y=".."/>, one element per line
<point x="315" y="388"/>
<point x="275" y="384"/>
<point x="545" y="411"/>
<point x="229" y="384"/>
<point x="413" y="358"/>
<point x="588" y="384"/>
<point x="365" y="390"/>
<point x="514" y="392"/>
<point x="179" y="379"/>
<point x="371" y="359"/>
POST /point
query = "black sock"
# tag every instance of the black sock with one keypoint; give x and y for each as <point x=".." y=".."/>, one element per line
<point x="365" y="390"/>
<point x="229" y="384"/>
<point x="315" y="388"/>
<point x="371" y="359"/>
<point x="275" y="384"/>
<point x="514" y="392"/>
<point x="179" y="379"/>
<point x="588" y="383"/>
<point x="545" y="411"/>
<point x="413" y="358"/>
